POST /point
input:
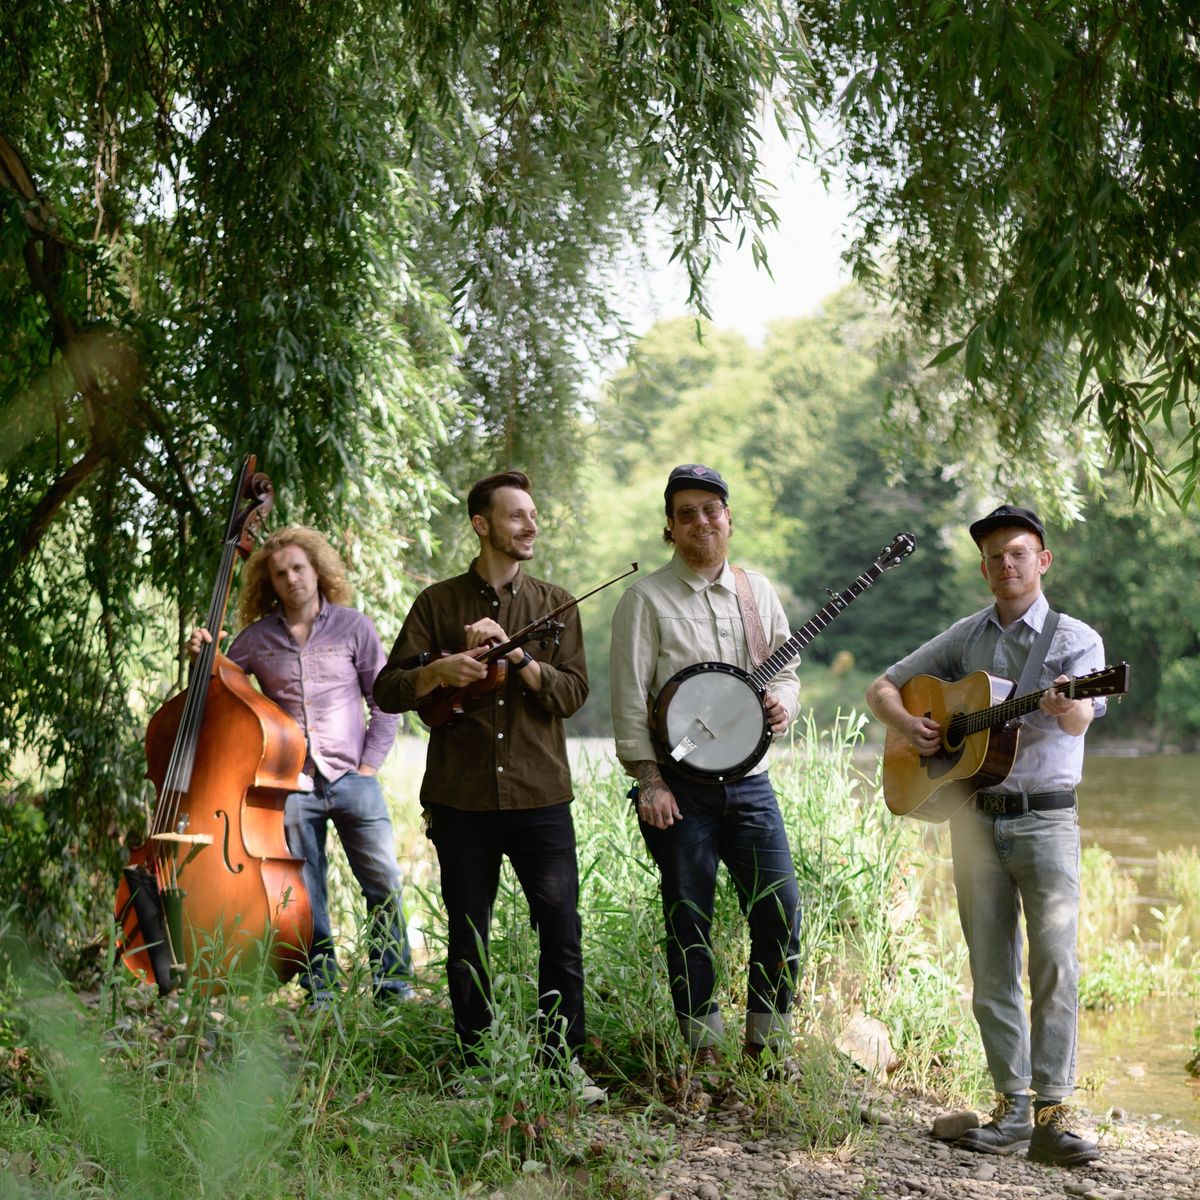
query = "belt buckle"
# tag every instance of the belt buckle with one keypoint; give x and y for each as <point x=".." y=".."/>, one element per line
<point x="993" y="805"/>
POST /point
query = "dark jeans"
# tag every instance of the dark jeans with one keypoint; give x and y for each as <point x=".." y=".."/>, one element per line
<point x="740" y="825"/>
<point x="356" y="806"/>
<point x="540" y="844"/>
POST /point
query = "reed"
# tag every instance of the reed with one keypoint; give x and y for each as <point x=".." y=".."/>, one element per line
<point x="115" y="1092"/>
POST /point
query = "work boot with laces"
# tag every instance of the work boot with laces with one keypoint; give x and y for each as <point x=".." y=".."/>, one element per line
<point x="1008" y="1131"/>
<point x="1054" y="1143"/>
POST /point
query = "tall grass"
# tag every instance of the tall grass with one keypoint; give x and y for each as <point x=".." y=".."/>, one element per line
<point x="115" y="1093"/>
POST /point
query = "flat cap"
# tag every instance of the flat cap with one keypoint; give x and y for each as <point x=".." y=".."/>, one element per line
<point x="1007" y="515"/>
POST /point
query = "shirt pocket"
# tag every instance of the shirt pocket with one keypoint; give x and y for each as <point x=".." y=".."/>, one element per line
<point x="328" y="664"/>
<point x="685" y="640"/>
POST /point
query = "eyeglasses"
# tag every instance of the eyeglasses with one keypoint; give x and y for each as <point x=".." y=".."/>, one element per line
<point x="687" y="515"/>
<point x="1018" y="558"/>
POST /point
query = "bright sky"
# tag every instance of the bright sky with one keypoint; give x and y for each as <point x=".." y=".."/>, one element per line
<point x="804" y="254"/>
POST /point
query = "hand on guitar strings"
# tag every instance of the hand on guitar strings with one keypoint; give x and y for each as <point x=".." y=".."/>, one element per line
<point x="1073" y="716"/>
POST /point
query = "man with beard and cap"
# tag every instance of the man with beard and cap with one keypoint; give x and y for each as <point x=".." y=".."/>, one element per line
<point x="688" y="612"/>
<point x="496" y="778"/>
<point x="1016" y="847"/>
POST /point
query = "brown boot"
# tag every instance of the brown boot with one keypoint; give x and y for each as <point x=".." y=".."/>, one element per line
<point x="1054" y="1143"/>
<point x="1008" y="1131"/>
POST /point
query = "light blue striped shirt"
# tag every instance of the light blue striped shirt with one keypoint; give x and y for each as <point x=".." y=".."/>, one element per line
<point x="1048" y="760"/>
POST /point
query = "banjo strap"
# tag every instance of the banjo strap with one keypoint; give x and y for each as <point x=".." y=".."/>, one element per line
<point x="756" y="639"/>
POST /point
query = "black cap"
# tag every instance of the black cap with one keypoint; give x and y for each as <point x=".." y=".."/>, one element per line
<point x="1007" y="515"/>
<point x="693" y="475"/>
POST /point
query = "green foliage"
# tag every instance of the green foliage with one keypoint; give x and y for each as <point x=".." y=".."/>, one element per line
<point x="1120" y="976"/>
<point x="1179" y="875"/>
<point x="1018" y="170"/>
<point x="368" y="242"/>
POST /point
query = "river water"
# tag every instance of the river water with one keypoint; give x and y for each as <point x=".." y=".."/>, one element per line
<point x="1134" y="807"/>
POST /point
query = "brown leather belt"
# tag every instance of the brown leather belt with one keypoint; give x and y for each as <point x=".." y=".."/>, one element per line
<point x="1013" y="804"/>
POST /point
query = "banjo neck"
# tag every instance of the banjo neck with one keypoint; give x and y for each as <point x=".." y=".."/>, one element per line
<point x="902" y="545"/>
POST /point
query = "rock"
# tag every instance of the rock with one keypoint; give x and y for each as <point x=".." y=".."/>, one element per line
<point x="950" y="1126"/>
<point x="985" y="1171"/>
<point x="872" y="1115"/>
<point x="708" y="1191"/>
<point x="867" y="1043"/>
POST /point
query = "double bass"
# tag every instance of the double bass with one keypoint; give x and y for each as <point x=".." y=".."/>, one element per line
<point x="213" y="890"/>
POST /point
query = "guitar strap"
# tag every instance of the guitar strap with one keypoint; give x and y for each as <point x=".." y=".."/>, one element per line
<point x="756" y="639"/>
<point x="1037" y="655"/>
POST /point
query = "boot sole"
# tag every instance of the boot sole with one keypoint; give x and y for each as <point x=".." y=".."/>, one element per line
<point x="1063" y="1160"/>
<point x="983" y="1148"/>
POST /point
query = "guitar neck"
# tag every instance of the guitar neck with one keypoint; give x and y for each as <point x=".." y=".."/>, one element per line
<point x="966" y="724"/>
<point x="778" y="659"/>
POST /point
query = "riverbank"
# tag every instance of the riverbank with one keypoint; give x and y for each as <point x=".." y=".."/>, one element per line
<point x="725" y="1157"/>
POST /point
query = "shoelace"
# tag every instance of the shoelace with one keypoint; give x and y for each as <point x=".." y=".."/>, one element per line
<point x="1054" y="1115"/>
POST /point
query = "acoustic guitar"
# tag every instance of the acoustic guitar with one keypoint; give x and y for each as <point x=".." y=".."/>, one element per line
<point x="980" y="731"/>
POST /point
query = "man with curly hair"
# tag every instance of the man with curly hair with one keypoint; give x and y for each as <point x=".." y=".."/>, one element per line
<point x="317" y="659"/>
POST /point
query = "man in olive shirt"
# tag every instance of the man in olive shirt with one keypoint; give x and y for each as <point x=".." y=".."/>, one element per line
<point x="496" y="779"/>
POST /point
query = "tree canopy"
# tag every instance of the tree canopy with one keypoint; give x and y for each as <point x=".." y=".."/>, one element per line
<point x="1024" y="175"/>
<point x="365" y="240"/>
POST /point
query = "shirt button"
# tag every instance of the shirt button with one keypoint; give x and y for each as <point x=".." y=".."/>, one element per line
<point x="495" y="603"/>
<point x="724" y="632"/>
<point x="501" y="703"/>
<point x="499" y="770"/>
<point x="499" y="737"/>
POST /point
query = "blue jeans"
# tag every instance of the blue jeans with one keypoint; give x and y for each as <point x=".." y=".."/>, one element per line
<point x="540" y="844"/>
<point x="1001" y="866"/>
<point x="740" y="825"/>
<point x="358" y="810"/>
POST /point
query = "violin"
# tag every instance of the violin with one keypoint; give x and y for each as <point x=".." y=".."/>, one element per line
<point x="445" y="703"/>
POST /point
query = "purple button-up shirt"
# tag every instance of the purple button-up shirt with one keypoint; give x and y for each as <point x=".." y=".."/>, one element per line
<point x="323" y="684"/>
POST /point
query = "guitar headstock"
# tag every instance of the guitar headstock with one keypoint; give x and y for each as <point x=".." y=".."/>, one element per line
<point x="903" y="544"/>
<point x="1110" y="681"/>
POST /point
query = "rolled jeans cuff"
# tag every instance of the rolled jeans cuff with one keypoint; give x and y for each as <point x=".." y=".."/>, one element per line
<point x="702" y="1031"/>
<point x="771" y="1029"/>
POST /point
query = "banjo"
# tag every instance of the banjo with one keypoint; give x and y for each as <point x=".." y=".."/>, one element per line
<point x="709" y="721"/>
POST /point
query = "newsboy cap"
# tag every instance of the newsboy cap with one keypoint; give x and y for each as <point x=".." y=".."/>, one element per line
<point x="1006" y="515"/>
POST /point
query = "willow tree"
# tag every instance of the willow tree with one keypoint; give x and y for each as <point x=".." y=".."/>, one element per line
<point x="1025" y="177"/>
<point x="364" y="239"/>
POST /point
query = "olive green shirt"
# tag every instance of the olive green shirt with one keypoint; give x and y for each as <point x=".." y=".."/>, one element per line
<point x="673" y="618"/>
<point x="508" y="750"/>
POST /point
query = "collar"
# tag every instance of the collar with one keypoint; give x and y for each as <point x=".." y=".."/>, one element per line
<point x="322" y="611"/>
<point x="696" y="581"/>
<point x="1034" y="616"/>
<point x="478" y="581"/>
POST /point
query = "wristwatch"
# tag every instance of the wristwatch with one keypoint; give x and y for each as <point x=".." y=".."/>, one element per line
<point x="524" y="662"/>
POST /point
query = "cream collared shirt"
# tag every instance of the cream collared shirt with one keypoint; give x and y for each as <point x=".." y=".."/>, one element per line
<point x="673" y="618"/>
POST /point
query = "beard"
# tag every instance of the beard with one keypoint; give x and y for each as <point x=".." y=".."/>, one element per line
<point x="704" y="552"/>
<point x="507" y="546"/>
